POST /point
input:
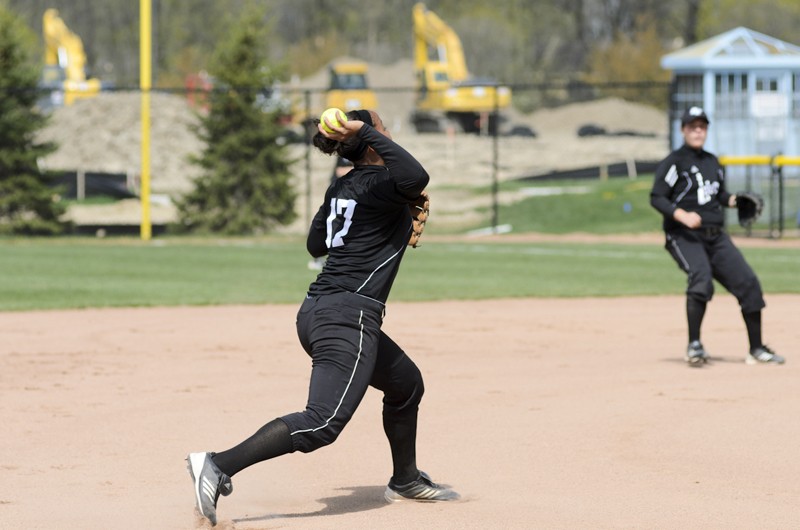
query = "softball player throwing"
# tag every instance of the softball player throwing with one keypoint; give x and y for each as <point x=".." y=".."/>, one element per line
<point x="364" y="226"/>
<point x="689" y="191"/>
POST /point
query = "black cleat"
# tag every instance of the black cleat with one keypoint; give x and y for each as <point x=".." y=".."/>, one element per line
<point x="422" y="489"/>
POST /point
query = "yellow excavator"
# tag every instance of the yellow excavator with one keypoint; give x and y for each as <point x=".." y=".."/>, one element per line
<point x="65" y="62"/>
<point x="348" y="88"/>
<point x="447" y="94"/>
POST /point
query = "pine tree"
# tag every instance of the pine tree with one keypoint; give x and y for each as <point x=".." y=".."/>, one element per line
<point x="245" y="184"/>
<point x="26" y="198"/>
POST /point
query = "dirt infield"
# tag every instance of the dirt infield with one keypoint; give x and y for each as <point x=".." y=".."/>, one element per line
<point x="543" y="413"/>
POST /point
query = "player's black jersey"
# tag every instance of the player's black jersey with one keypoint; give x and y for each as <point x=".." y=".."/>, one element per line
<point x="691" y="179"/>
<point x="364" y="223"/>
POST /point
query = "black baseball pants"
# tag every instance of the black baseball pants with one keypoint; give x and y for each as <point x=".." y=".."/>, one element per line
<point x="349" y="352"/>
<point x="708" y="254"/>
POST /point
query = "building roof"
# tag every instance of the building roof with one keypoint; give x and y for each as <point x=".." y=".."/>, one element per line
<point x="739" y="48"/>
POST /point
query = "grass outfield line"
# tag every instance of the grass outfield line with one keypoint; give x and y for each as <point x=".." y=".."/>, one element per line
<point x="79" y="273"/>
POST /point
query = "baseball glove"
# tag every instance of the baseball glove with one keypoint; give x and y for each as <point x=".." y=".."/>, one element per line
<point x="419" y="209"/>
<point x="749" y="206"/>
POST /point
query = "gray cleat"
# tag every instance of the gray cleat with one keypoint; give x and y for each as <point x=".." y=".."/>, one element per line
<point x="763" y="355"/>
<point x="696" y="355"/>
<point x="209" y="483"/>
<point x="422" y="489"/>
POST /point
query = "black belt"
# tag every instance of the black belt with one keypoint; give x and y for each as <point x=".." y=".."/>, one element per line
<point x="710" y="231"/>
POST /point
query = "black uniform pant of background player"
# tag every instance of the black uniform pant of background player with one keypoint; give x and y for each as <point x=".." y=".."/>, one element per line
<point x="349" y="352"/>
<point x="708" y="254"/>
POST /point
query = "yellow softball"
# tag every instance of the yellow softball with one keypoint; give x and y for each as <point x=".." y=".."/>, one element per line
<point x="335" y="116"/>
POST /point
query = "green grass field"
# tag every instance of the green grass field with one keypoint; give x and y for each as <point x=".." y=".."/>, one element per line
<point x="600" y="207"/>
<point x="77" y="272"/>
<point x="613" y="206"/>
<point x="83" y="272"/>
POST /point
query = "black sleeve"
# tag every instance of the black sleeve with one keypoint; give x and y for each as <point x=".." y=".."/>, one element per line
<point x="665" y="178"/>
<point x="410" y="177"/>
<point x="316" y="235"/>
<point x="724" y="195"/>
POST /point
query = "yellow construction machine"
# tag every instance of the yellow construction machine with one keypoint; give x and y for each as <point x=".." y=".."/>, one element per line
<point x="65" y="63"/>
<point x="447" y="94"/>
<point x="348" y="88"/>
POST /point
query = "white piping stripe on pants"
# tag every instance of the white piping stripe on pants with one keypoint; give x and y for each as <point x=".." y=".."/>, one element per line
<point x="678" y="252"/>
<point x="352" y="374"/>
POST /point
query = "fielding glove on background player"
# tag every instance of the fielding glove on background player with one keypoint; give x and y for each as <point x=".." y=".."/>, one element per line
<point x="749" y="206"/>
<point x="419" y="209"/>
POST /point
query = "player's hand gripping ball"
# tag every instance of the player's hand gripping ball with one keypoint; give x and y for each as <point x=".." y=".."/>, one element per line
<point x="334" y="116"/>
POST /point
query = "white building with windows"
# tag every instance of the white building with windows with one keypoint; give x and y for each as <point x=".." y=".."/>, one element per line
<point x="749" y="85"/>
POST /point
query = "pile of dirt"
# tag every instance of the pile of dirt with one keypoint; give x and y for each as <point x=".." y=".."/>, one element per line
<point x="611" y="114"/>
<point x="104" y="134"/>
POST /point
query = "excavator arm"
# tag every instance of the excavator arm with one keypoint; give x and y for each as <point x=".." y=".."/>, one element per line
<point x="64" y="53"/>
<point x="435" y="41"/>
<point x="447" y="95"/>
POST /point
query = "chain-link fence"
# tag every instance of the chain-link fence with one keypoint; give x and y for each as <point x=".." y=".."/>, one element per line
<point x="574" y="131"/>
<point x="777" y="180"/>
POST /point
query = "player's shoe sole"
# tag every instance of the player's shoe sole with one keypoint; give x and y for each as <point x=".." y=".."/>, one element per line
<point x="696" y="361"/>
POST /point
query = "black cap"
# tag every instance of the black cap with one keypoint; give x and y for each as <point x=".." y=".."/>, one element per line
<point x="693" y="113"/>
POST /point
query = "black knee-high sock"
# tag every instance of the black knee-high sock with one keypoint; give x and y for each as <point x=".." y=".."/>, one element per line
<point x="695" y="310"/>
<point x="402" y="435"/>
<point x="753" y="323"/>
<point x="269" y="441"/>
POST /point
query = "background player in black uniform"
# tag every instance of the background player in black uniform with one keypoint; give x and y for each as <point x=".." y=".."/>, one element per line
<point x="689" y="190"/>
<point x="363" y="226"/>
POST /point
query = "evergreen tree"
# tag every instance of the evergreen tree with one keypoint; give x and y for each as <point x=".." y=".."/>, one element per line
<point x="244" y="187"/>
<point x="26" y="199"/>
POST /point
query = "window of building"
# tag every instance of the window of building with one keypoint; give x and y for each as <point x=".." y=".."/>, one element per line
<point x="796" y="95"/>
<point x="731" y="95"/>
<point x="769" y="84"/>
<point x="688" y="92"/>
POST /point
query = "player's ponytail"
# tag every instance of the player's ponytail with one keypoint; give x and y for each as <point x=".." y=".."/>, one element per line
<point x="323" y="143"/>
